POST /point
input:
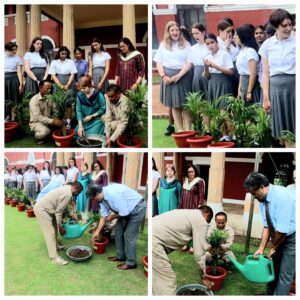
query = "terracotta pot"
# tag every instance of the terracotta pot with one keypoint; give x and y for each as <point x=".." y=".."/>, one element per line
<point x="222" y="145"/>
<point x="30" y="213"/>
<point x="13" y="203"/>
<point x="217" y="280"/>
<point x="99" y="247"/>
<point x="180" y="138"/>
<point x="11" y="131"/>
<point x="21" y="207"/>
<point x="63" y="141"/>
<point x="145" y="263"/>
<point x="7" y="201"/>
<point x="293" y="288"/>
<point x="136" y="141"/>
<point x="199" y="141"/>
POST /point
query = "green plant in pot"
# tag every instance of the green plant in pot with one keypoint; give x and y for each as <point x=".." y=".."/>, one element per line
<point x="288" y="138"/>
<point x="136" y="111"/>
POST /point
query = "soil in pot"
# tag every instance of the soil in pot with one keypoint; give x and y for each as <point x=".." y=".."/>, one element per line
<point x="92" y="143"/>
<point x="192" y="292"/>
<point x="100" y="246"/>
<point x="79" y="253"/>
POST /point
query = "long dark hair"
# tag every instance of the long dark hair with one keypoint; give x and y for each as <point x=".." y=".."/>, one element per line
<point x="154" y="165"/>
<point x="72" y="158"/>
<point x="49" y="170"/>
<point x="42" y="50"/>
<point x="127" y="42"/>
<point x="60" y="169"/>
<point x="96" y="40"/>
<point x="246" y="36"/>
<point x="98" y="163"/>
<point x="190" y="165"/>
<point x="63" y="48"/>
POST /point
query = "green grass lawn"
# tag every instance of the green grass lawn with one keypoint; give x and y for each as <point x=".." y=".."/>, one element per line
<point x="29" y="271"/>
<point x="235" y="284"/>
<point x="159" y="140"/>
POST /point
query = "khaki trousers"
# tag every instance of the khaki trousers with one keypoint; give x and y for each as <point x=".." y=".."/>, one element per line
<point x="40" y="130"/>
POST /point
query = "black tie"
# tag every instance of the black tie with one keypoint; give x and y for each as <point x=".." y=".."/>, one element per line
<point x="269" y="221"/>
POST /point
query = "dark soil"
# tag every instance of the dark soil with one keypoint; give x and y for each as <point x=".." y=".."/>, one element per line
<point x="217" y="273"/>
<point x="79" y="253"/>
<point x="92" y="143"/>
<point x="192" y="292"/>
<point x="99" y="241"/>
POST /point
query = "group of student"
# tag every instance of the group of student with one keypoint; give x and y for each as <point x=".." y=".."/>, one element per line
<point x="256" y="64"/>
<point x="68" y="74"/>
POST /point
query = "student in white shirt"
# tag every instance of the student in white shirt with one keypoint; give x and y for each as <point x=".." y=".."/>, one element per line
<point x="99" y="64"/>
<point x="19" y="179"/>
<point x="278" y="55"/>
<point x="63" y="70"/>
<point x="247" y="64"/>
<point x="36" y="64"/>
<point x="199" y="52"/>
<point x="30" y="182"/>
<point x="13" y="80"/>
<point x="45" y="175"/>
<point x="72" y="172"/>
<point x="174" y="62"/>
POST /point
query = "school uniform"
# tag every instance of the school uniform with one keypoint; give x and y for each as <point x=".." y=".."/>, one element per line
<point x="30" y="184"/>
<point x="45" y="177"/>
<point x="199" y="52"/>
<point x="81" y="67"/>
<point x="12" y="83"/>
<point x="13" y="180"/>
<point x="38" y="66"/>
<point x="70" y="174"/>
<point x="219" y="84"/>
<point x="174" y="95"/>
<point x="245" y="55"/>
<point x="20" y="181"/>
<point x="99" y="60"/>
<point x="281" y="56"/>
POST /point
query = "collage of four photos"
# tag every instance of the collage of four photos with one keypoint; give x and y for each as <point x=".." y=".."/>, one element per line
<point x="103" y="193"/>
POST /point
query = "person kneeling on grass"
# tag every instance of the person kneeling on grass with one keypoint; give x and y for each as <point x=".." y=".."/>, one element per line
<point x="49" y="213"/>
<point x="129" y="209"/>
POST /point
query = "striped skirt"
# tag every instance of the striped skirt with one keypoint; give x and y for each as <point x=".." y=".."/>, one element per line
<point x="256" y="91"/>
<point x="200" y="84"/>
<point x="31" y="190"/>
<point x="30" y="85"/>
<point x="98" y="73"/>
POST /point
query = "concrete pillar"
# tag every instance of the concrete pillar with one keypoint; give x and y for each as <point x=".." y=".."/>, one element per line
<point x="109" y="165"/>
<point x="67" y="155"/>
<point x="21" y="29"/>
<point x="159" y="158"/>
<point x="179" y="164"/>
<point x="129" y="22"/>
<point x="132" y="169"/>
<point x="60" y="159"/>
<point x="35" y="21"/>
<point x="68" y="27"/>
<point x="216" y="181"/>
<point x="88" y="158"/>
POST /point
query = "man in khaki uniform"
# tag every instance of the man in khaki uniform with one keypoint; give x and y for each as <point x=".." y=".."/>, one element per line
<point x="40" y="112"/>
<point x="171" y="231"/>
<point x="49" y="212"/>
<point x="221" y="224"/>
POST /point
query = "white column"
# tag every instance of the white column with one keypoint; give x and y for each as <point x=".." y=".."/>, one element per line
<point x="21" y="29"/>
<point x="68" y="27"/>
<point x="129" y="22"/>
<point x="35" y="21"/>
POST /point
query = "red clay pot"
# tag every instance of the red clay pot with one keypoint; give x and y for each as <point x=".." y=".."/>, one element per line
<point x="21" y="207"/>
<point x="99" y="247"/>
<point x="293" y="289"/>
<point x="222" y="145"/>
<point x="7" y="201"/>
<point x="13" y="203"/>
<point x="136" y="142"/>
<point x="180" y="138"/>
<point x="217" y="280"/>
<point x="11" y="130"/>
<point x="199" y="141"/>
<point x="30" y="213"/>
<point x="145" y="263"/>
<point x="63" y="141"/>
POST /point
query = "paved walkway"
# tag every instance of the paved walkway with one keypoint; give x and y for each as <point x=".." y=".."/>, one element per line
<point x="158" y="110"/>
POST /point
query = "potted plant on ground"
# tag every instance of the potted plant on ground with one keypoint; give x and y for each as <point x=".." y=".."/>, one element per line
<point x="7" y="197"/>
<point x="20" y="197"/>
<point x="194" y="105"/>
<point x="63" y="137"/>
<point x="29" y="207"/>
<point x="288" y="138"/>
<point x="136" y="111"/>
<point x="100" y="245"/>
<point x="216" y="273"/>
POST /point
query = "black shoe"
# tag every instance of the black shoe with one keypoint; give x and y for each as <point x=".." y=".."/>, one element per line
<point x="170" y="130"/>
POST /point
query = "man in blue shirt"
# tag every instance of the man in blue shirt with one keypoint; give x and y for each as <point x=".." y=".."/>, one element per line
<point x="129" y="208"/>
<point x="277" y="208"/>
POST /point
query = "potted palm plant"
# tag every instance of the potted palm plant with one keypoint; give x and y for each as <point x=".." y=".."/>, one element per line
<point x="63" y="137"/>
<point x="136" y="111"/>
<point x="216" y="273"/>
<point x="29" y="207"/>
<point x="7" y="196"/>
<point x="20" y="197"/>
<point x="288" y="138"/>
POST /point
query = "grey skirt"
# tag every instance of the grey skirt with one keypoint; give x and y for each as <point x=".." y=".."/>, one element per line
<point x="98" y="73"/>
<point x="45" y="182"/>
<point x="12" y="88"/>
<point x="64" y="78"/>
<point x="256" y="91"/>
<point x="174" y="95"/>
<point x="200" y="84"/>
<point x="30" y="85"/>
<point x="219" y="85"/>
<point x="282" y="97"/>
<point x="30" y="190"/>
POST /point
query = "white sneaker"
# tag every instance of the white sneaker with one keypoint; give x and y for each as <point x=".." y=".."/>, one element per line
<point x="59" y="261"/>
<point x="224" y="138"/>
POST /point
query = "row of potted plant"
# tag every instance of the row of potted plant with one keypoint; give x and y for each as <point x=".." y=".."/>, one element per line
<point x="250" y="124"/>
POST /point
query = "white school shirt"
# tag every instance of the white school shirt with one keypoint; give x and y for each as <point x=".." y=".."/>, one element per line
<point x="6" y="176"/>
<point x="221" y="58"/>
<point x="281" y="55"/>
<point x="30" y="176"/>
<point x="19" y="178"/>
<point x="233" y="51"/>
<point x="35" y="60"/>
<point x="199" y="52"/>
<point x="155" y="175"/>
<point x="59" y="179"/>
<point x="99" y="59"/>
<point x="13" y="177"/>
<point x="174" y="59"/>
<point x="70" y="174"/>
<point x="245" y="55"/>
<point x="65" y="68"/>
<point x="11" y="63"/>
<point x="44" y="174"/>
